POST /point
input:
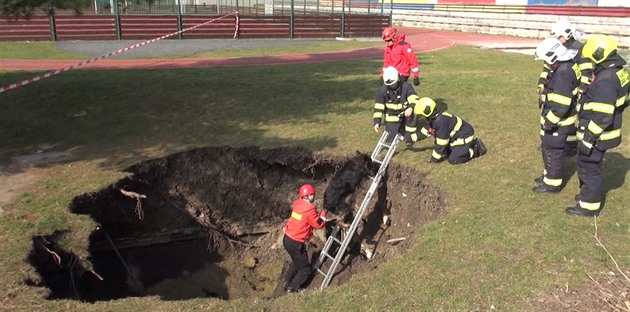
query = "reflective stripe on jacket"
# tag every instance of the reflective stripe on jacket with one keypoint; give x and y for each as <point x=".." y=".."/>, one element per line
<point x="401" y="56"/>
<point x="388" y="104"/>
<point x="303" y="220"/>
<point x="601" y="107"/>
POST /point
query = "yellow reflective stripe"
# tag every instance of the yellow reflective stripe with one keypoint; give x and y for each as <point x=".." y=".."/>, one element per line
<point x="377" y="115"/>
<point x="624" y="77"/>
<point x="585" y="80"/>
<point x="411" y="129"/>
<point x="296" y="215"/>
<point x="461" y="141"/>
<point x="412" y="98"/>
<point x="620" y="101"/>
<point x="558" y="98"/>
<point x="442" y="142"/>
<point x="552" y="118"/>
<point x="589" y="206"/>
<point x="599" y="107"/>
<point x="458" y="125"/>
<point x="579" y="136"/>
<point x="379" y="106"/>
<point x="552" y="182"/>
<point x="568" y="121"/>
<point x="543" y="75"/>
<point x="542" y="132"/>
<point x="586" y="65"/>
<point x="393" y="106"/>
<point x="389" y="118"/>
<point x="425" y="132"/>
<point x="571" y="138"/>
<point x="609" y="135"/>
<point x="594" y="127"/>
<point x="414" y="137"/>
<point x="436" y="155"/>
<point x="542" y="120"/>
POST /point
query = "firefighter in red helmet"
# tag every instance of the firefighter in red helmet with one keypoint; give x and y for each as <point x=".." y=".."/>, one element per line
<point x="400" y="55"/>
<point x="298" y="230"/>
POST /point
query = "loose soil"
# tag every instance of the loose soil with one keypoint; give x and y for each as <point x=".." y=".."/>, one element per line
<point x="208" y="222"/>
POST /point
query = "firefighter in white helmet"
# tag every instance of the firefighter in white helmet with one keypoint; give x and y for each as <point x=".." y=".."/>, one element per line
<point x="392" y="104"/>
<point x="558" y="111"/>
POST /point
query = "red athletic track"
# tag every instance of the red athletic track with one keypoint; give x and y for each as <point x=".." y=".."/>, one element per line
<point x="422" y="40"/>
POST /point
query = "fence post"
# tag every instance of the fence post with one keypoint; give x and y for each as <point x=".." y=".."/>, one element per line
<point x="179" y="19"/>
<point x="369" y="4"/>
<point x="118" y="24"/>
<point x="53" y="24"/>
<point x="292" y="20"/>
<point x="343" y="18"/>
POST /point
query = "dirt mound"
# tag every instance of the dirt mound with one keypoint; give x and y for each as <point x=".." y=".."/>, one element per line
<point x="206" y="223"/>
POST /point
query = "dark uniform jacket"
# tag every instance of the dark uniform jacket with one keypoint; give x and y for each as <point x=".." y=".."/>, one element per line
<point x="560" y="98"/>
<point x="585" y="65"/>
<point x="600" y="108"/>
<point x="390" y="103"/>
<point x="449" y="131"/>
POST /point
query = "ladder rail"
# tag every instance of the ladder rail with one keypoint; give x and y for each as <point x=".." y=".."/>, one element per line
<point x="358" y="216"/>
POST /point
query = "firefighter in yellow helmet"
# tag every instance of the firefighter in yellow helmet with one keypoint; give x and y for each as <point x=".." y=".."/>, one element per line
<point x="558" y="114"/>
<point x="454" y="137"/>
<point x="599" y="121"/>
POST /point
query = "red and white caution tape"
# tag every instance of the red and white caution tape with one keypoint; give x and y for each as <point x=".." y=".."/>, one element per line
<point x="119" y="51"/>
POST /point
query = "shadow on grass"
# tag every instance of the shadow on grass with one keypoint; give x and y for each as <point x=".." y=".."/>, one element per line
<point x="119" y="116"/>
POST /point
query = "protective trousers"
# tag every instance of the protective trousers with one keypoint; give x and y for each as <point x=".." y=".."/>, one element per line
<point x="590" y="172"/>
<point x="461" y="153"/>
<point x="300" y="268"/>
<point x="553" y="145"/>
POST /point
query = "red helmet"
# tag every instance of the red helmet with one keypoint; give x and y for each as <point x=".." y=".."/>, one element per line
<point x="389" y="33"/>
<point x="306" y="190"/>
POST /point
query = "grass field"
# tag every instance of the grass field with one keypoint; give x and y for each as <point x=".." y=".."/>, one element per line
<point x="499" y="247"/>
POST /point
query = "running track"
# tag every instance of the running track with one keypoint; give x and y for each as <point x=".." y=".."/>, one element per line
<point x="422" y="40"/>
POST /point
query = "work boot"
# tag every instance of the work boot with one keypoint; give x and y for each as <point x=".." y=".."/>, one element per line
<point x="480" y="148"/>
<point x="578" y="211"/>
<point x="539" y="179"/>
<point x="542" y="188"/>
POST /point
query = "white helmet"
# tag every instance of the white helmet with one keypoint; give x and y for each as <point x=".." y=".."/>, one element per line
<point x="390" y="75"/>
<point x="551" y="50"/>
<point x="562" y="28"/>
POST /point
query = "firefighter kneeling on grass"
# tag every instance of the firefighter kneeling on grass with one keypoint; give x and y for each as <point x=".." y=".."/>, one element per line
<point x="454" y="137"/>
<point x="299" y="229"/>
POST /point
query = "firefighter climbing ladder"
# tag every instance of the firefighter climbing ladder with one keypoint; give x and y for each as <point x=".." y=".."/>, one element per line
<point x="345" y="241"/>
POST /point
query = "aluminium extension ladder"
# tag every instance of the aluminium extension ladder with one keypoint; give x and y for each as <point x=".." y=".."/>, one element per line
<point x="345" y="240"/>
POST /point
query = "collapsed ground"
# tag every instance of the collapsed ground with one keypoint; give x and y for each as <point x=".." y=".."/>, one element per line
<point x="208" y="223"/>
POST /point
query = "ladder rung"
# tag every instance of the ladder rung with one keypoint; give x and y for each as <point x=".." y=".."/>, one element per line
<point x="329" y="256"/>
<point x="321" y="272"/>
<point x="336" y="240"/>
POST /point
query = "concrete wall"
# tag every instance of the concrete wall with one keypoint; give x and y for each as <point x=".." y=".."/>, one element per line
<point x="519" y="25"/>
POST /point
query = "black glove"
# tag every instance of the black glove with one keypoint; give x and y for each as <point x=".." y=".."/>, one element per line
<point x="585" y="148"/>
<point x="416" y="81"/>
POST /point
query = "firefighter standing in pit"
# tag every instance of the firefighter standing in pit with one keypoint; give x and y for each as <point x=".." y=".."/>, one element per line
<point x="298" y="230"/>
<point x="400" y="55"/>
<point x="600" y="112"/>
<point x="558" y="115"/>
<point x="392" y="105"/>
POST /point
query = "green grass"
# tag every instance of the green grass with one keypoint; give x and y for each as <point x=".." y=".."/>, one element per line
<point x="499" y="245"/>
<point x="47" y="50"/>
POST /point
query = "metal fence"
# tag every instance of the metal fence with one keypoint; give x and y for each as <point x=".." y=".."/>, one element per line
<point x="245" y="7"/>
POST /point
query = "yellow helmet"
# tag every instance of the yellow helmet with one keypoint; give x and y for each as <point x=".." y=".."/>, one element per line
<point x="599" y="48"/>
<point x="424" y="106"/>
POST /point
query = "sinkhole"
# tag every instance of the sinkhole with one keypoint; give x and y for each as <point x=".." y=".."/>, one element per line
<point x="208" y="223"/>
